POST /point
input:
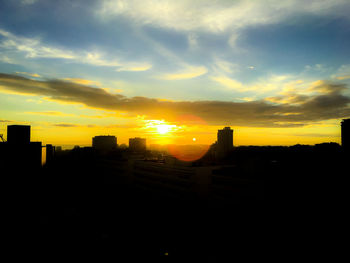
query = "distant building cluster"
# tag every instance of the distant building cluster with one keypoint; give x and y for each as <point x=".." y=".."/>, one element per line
<point x="107" y="143"/>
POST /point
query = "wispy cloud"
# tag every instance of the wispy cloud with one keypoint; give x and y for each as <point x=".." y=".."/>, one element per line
<point x="83" y="81"/>
<point x="50" y="113"/>
<point x="134" y="67"/>
<point x="188" y="73"/>
<point x="214" y="16"/>
<point x="63" y="114"/>
<point x="6" y="59"/>
<point x="319" y="106"/>
<point x="34" y="75"/>
<point x="342" y="73"/>
<point x="229" y="83"/>
<point x="221" y="65"/>
<point x="34" y="48"/>
<point x="343" y="77"/>
<point x="97" y="59"/>
<point x="260" y="86"/>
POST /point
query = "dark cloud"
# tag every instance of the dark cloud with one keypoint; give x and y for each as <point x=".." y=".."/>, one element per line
<point x="314" y="135"/>
<point x="328" y="87"/>
<point x="66" y="125"/>
<point x="329" y="102"/>
<point x="72" y="125"/>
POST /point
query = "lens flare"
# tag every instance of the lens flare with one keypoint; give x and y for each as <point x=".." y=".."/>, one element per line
<point x="188" y="153"/>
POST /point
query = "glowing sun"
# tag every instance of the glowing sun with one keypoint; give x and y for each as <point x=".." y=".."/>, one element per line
<point x="160" y="127"/>
<point x="163" y="128"/>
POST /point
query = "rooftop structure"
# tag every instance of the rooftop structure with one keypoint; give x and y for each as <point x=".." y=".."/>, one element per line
<point x="104" y="142"/>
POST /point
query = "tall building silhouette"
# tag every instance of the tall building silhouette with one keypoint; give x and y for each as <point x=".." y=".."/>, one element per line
<point x="19" y="153"/>
<point x="18" y="134"/>
<point x="104" y="142"/>
<point x="137" y="144"/>
<point x="50" y="153"/>
<point x="225" y="141"/>
<point x="345" y="134"/>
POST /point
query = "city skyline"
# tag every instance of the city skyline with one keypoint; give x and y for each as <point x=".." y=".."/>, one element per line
<point x="22" y="134"/>
<point x="174" y="73"/>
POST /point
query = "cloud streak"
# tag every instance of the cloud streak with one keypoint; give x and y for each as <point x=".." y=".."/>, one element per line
<point x="34" y="48"/>
<point x="214" y="16"/>
<point x="188" y="73"/>
<point x="50" y="113"/>
<point x="34" y="75"/>
<point x="327" y="102"/>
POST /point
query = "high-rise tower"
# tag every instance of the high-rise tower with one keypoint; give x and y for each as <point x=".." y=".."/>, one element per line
<point x="18" y="134"/>
<point x="345" y="134"/>
<point x="225" y="141"/>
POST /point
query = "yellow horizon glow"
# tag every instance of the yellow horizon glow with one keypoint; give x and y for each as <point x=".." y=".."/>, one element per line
<point x="162" y="133"/>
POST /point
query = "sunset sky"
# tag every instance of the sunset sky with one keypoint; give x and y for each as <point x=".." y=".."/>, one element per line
<point x="277" y="72"/>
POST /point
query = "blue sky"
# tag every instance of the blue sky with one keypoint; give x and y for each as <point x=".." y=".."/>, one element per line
<point x="229" y="51"/>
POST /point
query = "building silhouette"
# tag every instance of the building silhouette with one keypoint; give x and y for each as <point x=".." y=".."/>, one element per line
<point x="345" y="134"/>
<point x="18" y="134"/>
<point x="104" y="143"/>
<point x="19" y="153"/>
<point x="137" y="144"/>
<point x="50" y="153"/>
<point x="224" y="141"/>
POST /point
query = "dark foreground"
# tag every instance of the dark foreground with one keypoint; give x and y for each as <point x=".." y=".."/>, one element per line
<point x="78" y="209"/>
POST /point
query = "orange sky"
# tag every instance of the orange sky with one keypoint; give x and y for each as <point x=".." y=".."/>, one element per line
<point x="174" y="134"/>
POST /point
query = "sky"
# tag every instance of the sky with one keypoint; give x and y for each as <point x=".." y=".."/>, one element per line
<point x="174" y="72"/>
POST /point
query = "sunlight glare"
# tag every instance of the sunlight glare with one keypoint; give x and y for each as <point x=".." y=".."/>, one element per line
<point x="160" y="127"/>
<point x="163" y="128"/>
